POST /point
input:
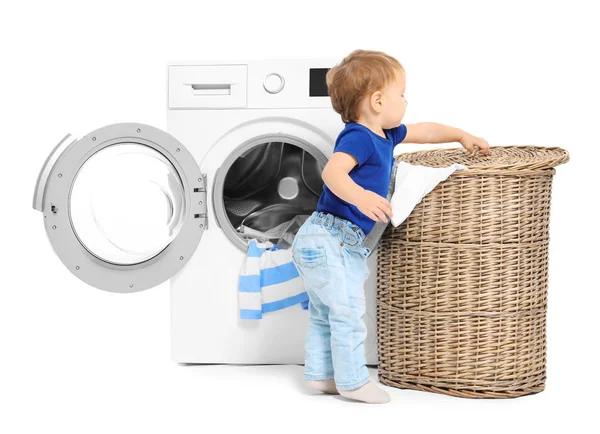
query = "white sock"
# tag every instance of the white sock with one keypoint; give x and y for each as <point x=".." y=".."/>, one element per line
<point x="325" y="386"/>
<point x="369" y="393"/>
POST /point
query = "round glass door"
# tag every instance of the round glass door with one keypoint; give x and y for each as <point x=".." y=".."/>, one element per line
<point x="127" y="203"/>
<point x="124" y="207"/>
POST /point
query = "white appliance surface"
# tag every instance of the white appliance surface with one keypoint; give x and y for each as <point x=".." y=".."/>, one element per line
<point x="205" y="321"/>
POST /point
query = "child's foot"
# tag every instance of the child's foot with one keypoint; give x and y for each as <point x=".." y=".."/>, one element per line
<point x="325" y="386"/>
<point x="369" y="393"/>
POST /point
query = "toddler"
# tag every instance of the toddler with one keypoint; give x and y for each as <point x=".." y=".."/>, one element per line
<point x="367" y="90"/>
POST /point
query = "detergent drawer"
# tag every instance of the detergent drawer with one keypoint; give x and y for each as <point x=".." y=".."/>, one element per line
<point x="207" y="86"/>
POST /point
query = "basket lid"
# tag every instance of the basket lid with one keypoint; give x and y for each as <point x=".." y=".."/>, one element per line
<point x="498" y="157"/>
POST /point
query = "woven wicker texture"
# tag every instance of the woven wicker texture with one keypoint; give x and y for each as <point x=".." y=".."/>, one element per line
<point x="462" y="283"/>
<point x="500" y="157"/>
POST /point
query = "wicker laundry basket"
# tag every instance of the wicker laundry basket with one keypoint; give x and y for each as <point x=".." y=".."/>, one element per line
<point x="462" y="283"/>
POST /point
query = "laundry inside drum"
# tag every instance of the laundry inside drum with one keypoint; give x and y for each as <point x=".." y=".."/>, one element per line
<point x="127" y="203"/>
<point x="271" y="189"/>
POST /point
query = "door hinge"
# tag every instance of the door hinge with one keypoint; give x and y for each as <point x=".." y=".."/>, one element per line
<point x="203" y="214"/>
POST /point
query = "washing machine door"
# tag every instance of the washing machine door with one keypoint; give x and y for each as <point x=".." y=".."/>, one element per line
<point x="124" y="207"/>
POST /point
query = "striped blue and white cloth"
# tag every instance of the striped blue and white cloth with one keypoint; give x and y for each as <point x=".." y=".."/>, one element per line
<point x="269" y="281"/>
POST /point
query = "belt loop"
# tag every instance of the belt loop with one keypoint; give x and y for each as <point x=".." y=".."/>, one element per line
<point x="329" y="221"/>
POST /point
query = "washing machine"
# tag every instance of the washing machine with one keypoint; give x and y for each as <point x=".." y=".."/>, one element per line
<point x="129" y="206"/>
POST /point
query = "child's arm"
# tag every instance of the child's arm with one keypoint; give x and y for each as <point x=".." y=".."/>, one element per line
<point x="335" y="176"/>
<point x="431" y="132"/>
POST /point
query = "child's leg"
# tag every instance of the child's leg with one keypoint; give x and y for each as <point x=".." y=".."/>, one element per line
<point x="348" y="330"/>
<point x="318" y="365"/>
<point x="309" y="256"/>
<point x="346" y="301"/>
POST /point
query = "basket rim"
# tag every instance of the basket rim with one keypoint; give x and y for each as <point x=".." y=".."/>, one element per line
<point x="551" y="157"/>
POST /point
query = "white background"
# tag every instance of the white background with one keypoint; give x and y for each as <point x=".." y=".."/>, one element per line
<point x="80" y="360"/>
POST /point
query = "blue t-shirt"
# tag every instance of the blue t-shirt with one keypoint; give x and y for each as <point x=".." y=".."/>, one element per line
<point x="373" y="171"/>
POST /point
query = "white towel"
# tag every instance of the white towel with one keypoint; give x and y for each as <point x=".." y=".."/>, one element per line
<point x="269" y="281"/>
<point x="413" y="182"/>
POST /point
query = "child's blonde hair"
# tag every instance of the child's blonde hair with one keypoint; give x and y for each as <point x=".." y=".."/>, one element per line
<point x="360" y="73"/>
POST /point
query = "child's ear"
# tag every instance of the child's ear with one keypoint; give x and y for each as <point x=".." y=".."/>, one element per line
<point x="376" y="101"/>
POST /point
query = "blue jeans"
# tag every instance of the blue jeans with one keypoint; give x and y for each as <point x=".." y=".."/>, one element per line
<point x="330" y="257"/>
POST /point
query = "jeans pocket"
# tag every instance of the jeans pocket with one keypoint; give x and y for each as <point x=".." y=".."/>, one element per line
<point x="312" y="265"/>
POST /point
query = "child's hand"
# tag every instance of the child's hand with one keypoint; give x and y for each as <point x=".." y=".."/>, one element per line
<point x="374" y="206"/>
<point x="469" y="141"/>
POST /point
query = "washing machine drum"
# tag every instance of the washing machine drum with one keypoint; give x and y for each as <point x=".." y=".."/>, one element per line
<point x="271" y="184"/>
<point x="124" y="207"/>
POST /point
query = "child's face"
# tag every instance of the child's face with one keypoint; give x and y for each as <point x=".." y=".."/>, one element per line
<point x="394" y="103"/>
